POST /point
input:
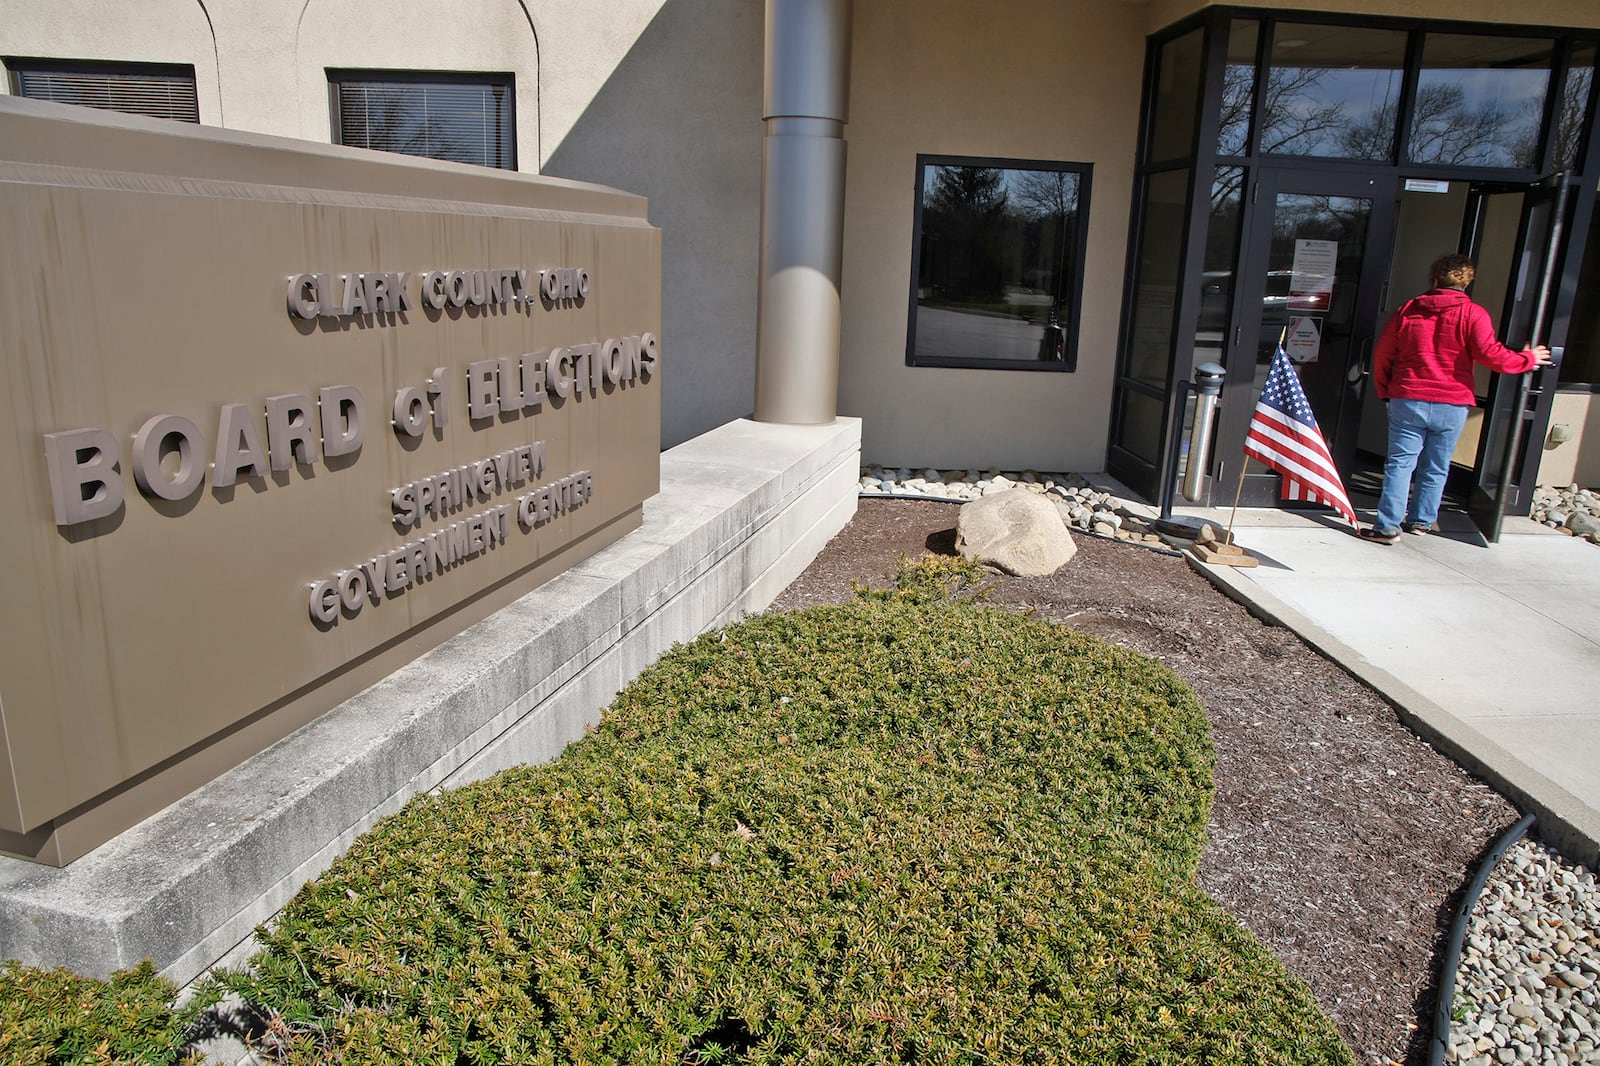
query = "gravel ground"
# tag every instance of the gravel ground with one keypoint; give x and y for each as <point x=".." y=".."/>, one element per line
<point x="1526" y="991"/>
<point x="1337" y="836"/>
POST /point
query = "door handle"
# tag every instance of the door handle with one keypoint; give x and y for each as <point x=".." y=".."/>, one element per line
<point x="1362" y="367"/>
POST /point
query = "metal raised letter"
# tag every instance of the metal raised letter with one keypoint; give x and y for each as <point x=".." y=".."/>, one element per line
<point x="78" y="459"/>
<point x="289" y="436"/>
<point x="238" y="447"/>
<point x="303" y="296"/>
<point x="439" y="396"/>
<point x="342" y="403"/>
<point x="410" y="411"/>
<point x="148" y="445"/>
<point x="483" y="398"/>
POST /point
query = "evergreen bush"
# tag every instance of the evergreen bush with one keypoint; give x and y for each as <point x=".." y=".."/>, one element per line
<point x="910" y="829"/>
<point x="64" y="1019"/>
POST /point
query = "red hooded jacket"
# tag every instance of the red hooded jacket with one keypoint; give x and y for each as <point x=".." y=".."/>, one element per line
<point x="1428" y="346"/>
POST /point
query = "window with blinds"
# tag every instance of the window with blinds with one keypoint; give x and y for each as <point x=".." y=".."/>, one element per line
<point x="465" y="118"/>
<point x="153" y="90"/>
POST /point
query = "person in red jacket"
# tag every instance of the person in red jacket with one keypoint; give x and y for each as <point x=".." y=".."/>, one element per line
<point x="1423" y="370"/>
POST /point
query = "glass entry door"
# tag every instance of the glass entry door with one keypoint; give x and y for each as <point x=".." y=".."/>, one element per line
<point x="1313" y="264"/>
<point x="1516" y="406"/>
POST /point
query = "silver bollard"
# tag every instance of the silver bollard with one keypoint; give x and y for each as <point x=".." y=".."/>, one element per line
<point x="1207" y="387"/>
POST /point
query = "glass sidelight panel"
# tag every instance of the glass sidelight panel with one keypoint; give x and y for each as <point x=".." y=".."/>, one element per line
<point x="1581" y="365"/>
<point x="1160" y="260"/>
<point x="1238" y="88"/>
<point x="1139" y="427"/>
<point x="1480" y="100"/>
<point x="1332" y="91"/>
<point x="1176" y="110"/>
<point x="1573" y="110"/>
<point x="1217" y="277"/>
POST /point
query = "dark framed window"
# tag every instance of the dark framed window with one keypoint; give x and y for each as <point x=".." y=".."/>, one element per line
<point x="997" y="263"/>
<point x="155" y="90"/>
<point x="464" y="118"/>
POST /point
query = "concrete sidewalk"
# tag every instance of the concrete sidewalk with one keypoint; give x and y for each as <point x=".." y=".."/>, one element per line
<point x="1491" y="652"/>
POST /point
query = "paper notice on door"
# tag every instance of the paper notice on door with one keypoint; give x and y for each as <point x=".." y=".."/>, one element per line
<point x="1311" y="283"/>
<point x="1303" y="341"/>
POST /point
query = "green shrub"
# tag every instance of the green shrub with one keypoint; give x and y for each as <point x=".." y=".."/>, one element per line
<point x="58" y="1017"/>
<point x="930" y="578"/>
<point x="904" y="830"/>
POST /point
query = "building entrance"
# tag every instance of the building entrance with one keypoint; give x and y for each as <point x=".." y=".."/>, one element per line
<point x="1297" y="173"/>
<point x="1327" y="258"/>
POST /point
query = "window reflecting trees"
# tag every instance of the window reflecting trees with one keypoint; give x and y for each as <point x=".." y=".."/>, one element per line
<point x="1335" y="92"/>
<point x="1327" y="88"/>
<point x="999" y="251"/>
<point x="1480" y="101"/>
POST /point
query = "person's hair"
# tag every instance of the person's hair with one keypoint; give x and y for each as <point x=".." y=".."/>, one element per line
<point x="1453" y="271"/>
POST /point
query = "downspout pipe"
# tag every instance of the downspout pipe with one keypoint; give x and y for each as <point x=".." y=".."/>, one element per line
<point x="805" y="101"/>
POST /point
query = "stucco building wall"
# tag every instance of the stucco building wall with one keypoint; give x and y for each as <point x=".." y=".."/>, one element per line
<point x="925" y="80"/>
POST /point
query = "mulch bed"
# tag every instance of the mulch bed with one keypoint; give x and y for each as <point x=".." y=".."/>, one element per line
<point x="1337" y="836"/>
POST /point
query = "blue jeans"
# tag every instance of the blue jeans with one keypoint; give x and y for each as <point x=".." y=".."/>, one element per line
<point x="1422" y="437"/>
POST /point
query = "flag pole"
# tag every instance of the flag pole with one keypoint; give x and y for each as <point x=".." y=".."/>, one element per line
<point x="1237" y="492"/>
<point x="1244" y="461"/>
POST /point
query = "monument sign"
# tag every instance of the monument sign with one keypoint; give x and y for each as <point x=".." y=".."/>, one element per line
<point x="278" y="418"/>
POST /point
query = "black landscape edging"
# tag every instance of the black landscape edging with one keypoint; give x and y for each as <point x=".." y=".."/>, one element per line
<point x="1442" y="1007"/>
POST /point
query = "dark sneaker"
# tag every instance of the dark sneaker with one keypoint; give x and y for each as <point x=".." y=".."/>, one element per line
<point x="1382" y="536"/>
<point x="1418" y="528"/>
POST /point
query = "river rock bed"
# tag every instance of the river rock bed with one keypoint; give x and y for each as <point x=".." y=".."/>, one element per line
<point x="1083" y="507"/>
<point x="1528" y="987"/>
<point x="1571" y="510"/>
<point x="1574" y="511"/>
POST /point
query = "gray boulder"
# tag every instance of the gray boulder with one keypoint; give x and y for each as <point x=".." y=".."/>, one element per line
<point x="1583" y="524"/>
<point x="1015" y="531"/>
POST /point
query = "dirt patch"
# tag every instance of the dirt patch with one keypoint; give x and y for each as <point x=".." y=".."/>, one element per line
<point x="1337" y="836"/>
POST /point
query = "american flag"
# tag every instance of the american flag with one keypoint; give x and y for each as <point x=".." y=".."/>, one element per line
<point x="1284" y="435"/>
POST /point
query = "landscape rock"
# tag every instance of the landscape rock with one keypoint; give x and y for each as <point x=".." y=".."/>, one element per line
<point x="1015" y="531"/>
<point x="1571" y="510"/>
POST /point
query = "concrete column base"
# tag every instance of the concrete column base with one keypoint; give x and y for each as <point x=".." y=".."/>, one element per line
<point x="742" y="510"/>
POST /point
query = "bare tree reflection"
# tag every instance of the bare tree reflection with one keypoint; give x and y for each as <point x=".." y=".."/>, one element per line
<point x="1047" y="194"/>
<point x="1571" y="114"/>
<point x="1303" y="116"/>
<point x="1048" y="200"/>
<point x="1297" y="119"/>
<point x="1448" y="132"/>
